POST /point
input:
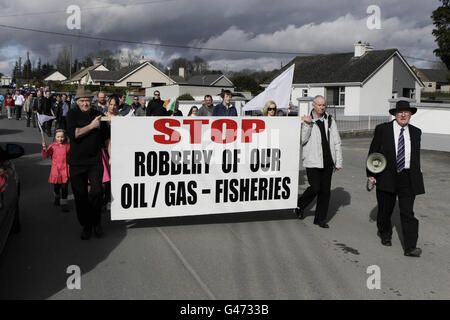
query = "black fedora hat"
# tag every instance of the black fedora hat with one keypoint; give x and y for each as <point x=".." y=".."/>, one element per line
<point x="402" y="105"/>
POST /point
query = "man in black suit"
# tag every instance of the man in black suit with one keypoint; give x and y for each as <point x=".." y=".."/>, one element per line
<point x="399" y="142"/>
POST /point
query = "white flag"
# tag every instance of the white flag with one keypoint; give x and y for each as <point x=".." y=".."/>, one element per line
<point x="43" y="118"/>
<point x="279" y="90"/>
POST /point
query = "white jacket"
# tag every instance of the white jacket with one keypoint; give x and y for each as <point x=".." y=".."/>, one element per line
<point x="311" y="141"/>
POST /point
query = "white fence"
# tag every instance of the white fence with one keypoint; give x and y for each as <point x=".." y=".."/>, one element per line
<point x="355" y="123"/>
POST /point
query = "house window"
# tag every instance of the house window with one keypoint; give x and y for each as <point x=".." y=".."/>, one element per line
<point x="304" y="92"/>
<point x="335" y="96"/>
<point x="430" y="85"/>
<point x="342" y="96"/>
<point x="134" y="84"/>
<point x="412" y="94"/>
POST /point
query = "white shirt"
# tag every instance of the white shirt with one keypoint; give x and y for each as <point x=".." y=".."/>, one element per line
<point x="397" y="129"/>
<point x="18" y="100"/>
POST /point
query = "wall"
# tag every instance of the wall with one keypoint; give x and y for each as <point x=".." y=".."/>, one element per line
<point x="376" y="92"/>
<point x="199" y="92"/>
<point x="223" y="82"/>
<point x="166" y="92"/>
<point x="312" y="92"/>
<point x="433" y="120"/>
<point x="57" y="76"/>
<point x="352" y="101"/>
<point x="402" y="77"/>
<point x="146" y="75"/>
<point x="429" y="89"/>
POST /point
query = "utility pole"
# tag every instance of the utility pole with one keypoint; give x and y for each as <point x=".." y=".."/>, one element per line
<point x="70" y="65"/>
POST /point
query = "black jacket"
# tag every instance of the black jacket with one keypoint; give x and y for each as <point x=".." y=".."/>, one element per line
<point x="383" y="142"/>
<point x="156" y="108"/>
<point x="46" y="106"/>
<point x="38" y="104"/>
<point x="124" y="109"/>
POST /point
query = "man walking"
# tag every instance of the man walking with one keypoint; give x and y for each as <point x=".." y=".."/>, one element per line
<point x="87" y="138"/>
<point x="18" y="103"/>
<point x="322" y="155"/>
<point x="225" y="109"/>
<point x="399" y="142"/>
<point x="48" y="111"/>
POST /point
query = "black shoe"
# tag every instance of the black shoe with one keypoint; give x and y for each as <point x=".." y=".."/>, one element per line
<point x="98" y="231"/>
<point x="300" y="213"/>
<point x="416" y="252"/>
<point x="323" y="225"/>
<point x="56" y="202"/>
<point x="86" y="233"/>
<point x="386" y="242"/>
<point x="64" y="208"/>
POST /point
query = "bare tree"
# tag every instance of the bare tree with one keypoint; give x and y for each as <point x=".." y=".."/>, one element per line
<point x="132" y="58"/>
<point x="62" y="61"/>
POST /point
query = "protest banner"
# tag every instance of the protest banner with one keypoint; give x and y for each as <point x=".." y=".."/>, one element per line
<point x="166" y="167"/>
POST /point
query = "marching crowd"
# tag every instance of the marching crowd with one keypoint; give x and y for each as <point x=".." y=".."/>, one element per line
<point x="81" y="152"/>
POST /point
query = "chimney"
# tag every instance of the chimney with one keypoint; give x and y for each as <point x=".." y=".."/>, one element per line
<point x="142" y="60"/>
<point x="362" y="48"/>
<point x="181" y="72"/>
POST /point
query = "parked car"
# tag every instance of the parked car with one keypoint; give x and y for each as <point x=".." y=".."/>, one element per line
<point x="9" y="192"/>
<point x="291" y="111"/>
<point x="281" y="112"/>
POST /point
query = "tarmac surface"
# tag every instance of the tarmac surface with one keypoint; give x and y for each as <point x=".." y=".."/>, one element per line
<point x="257" y="255"/>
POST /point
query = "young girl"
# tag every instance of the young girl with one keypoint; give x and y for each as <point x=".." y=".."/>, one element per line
<point x="59" y="174"/>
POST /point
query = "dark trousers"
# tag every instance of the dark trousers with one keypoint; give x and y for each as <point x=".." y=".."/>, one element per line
<point x="61" y="190"/>
<point x="319" y="185"/>
<point x="386" y="203"/>
<point x="31" y="118"/>
<point x="88" y="204"/>
<point x="47" y="127"/>
<point x="106" y="192"/>
<point x="61" y="123"/>
<point x="18" y="112"/>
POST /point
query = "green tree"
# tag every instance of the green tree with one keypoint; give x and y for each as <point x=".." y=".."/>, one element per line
<point x="246" y="83"/>
<point x="441" y="20"/>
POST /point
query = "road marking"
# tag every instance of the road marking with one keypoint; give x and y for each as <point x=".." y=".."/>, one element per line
<point x="187" y="265"/>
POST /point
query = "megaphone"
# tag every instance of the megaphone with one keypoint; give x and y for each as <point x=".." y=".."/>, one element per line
<point x="376" y="162"/>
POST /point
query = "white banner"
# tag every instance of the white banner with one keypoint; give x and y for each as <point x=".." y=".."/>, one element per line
<point x="166" y="167"/>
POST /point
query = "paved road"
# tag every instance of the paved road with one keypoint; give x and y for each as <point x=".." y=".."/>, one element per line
<point x="266" y="255"/>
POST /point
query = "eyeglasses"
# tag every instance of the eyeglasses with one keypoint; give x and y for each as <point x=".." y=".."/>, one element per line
<point x="156" y="94"/>
<point x="271" y="109"/>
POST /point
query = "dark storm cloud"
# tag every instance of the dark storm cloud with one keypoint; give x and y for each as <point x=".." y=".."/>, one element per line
<point x="289" y="25"/>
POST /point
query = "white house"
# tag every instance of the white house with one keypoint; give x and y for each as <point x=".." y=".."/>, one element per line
<point x="140" y="75"/>
<point x="81" y="76"/>
<point x="197" y="86"/>
<point x="5" y="81"/>
<point x="361" y="82"/>
<point x="55" y="76"/>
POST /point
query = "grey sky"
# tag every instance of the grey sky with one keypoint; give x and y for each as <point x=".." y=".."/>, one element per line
<point x="316" y="26"/>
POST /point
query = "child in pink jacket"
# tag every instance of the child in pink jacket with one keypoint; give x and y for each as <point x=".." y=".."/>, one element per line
<point x="59" y="174"/>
